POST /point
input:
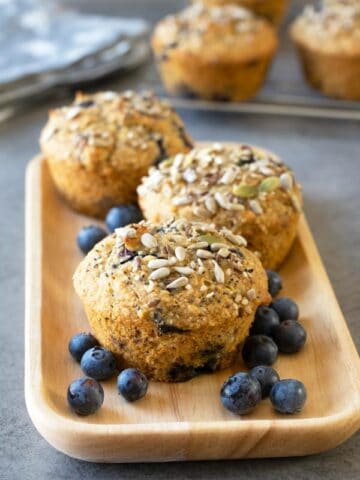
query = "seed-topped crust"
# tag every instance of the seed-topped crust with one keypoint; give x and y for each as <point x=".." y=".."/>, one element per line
<point x="243" y="188"/>
<point x="162" y="305"/>
<point x="99" y="147"/>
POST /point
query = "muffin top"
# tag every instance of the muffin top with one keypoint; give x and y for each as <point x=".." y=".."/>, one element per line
<point x="333" y="28"/>
<point x="182" y="268"/>
<point x="98" y="130"/>
<point x="219" y="33"/>
<point x="222" y="183"/>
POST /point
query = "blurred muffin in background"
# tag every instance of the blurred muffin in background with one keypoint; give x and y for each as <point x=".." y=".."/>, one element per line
<point x="100" y="146"/>
<point x="273" y="10"/>
<point x="328" y="43"/>
<point x="216" y="53"/>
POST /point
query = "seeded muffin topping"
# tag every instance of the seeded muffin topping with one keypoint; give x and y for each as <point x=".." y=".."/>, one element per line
<point x="215" y="28"/>
<point x="108" y="119"/>
<point x="210" y="179"/>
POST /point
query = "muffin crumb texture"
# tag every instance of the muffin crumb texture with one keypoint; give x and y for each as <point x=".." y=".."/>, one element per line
<point x="174" y="300"/>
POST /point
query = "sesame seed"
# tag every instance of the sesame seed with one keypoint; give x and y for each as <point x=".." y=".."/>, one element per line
<point x="203" y="288"/>
<point x="245" y="301"/>
<point x="251" y="294"/>
<point x="126" y="232"/>
<point x="238" y="298"/>
<point x="224" y="252"/>
<point x="148" y="240"/>
<point x="160" y="273"/>
<point x="178" y="283"/>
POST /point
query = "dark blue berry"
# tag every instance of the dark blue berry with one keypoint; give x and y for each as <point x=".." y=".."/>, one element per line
<point x="122" y="215"/>
<point x="288" y="396"/>
<point x="89" y="236"/>
<point x="80" y="343"/>
<point x="274" y="282"/>
<point x="85" y="395"/>
<point x="289" y="336"/>
<point x="132" y="384"/>
<point x="259" y="350"/>
<point x="266" y="376"/>
<point x="265" y="320"/>
<point x="98" y="363"/>
<point x="240" y="393"/>
<point x="285" y="308"/>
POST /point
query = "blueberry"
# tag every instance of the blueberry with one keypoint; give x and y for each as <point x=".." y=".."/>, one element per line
<point x="266" y="376"/>
<point x="85" y="396"/>
<point x="89" y="236"/>
<point x="274" y="282"/>
<point x="98" y="363"/>
<point x="122" y="215"/>
<point x="240" y="393"/>
<point x="80" y="343"/>
<point x="259" y="350"/>
<point x="265" y="320"/>
<point x="132" y="384"/>
<point x="289" y="336"/>
<point x="288" y="396"/>
<point x="285" y="308"/>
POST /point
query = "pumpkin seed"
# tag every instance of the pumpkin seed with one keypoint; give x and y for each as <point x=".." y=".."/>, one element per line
<point x="269" y="184"/>
<point x="245" y="191"/>
<point x="209" y="239"/>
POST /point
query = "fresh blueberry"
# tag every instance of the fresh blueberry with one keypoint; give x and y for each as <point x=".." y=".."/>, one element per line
<point x="266" y="376"/>
<point x="288" y="396"/>
<point x="240" y="393"/>
<point x="285" y="308"/>
<point x="274" y="282"/>
<point x="80" y="343"/>
<point x="265" y="320"/>
<point x="98" y="363"/>
<point x="85" y="395"/>
<point x="89" y="236"/>
<point x="132" y="384"/>
<point x="259" y="350"/>
<point x="289" y="336"/>
<point x="122" y="215"/>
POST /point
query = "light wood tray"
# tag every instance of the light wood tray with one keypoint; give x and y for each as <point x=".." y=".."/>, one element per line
<point x="176" y="421"/>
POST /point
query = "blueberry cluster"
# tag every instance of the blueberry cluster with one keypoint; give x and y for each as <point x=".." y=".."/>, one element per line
<point x="117" y="217"/>
<point x="275" y="329"/>
<point x="85" y="395"/>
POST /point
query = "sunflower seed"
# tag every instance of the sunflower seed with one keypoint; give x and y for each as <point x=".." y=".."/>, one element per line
<point x="201" y="269"/>
<point x="158" y="263"/>
<point x="219" y="274"/>
<point x="228" y="177"/>
<point x="184" y="270"/>
<point x="217" y="246"/>
<point x="180" y="253"/>
<point x="238" y="298"/>
<point x="287" y="181"/>
<point x="72" y="112"/>
<point x="204" y="254"/>
<point x="255" y="207"/>
<point x="189" y="175"/>
<point x="203" y="288"/>
<point x="126" y="232"/>
<point x="178" y="283"/>
<point x="296" y="204"/>
<point x="210" y="204"/>
<point x="235" y="239"/>
<point x="148" y="240"/>
<point x="160" y="273"/>
<point x="224" y="252"/>
<point x="184" y="200"/>
<point x="149" y="288"/>
<point x="244" y="301"/>
<point x="221" y="200"/>
<point x="195" y="246"/>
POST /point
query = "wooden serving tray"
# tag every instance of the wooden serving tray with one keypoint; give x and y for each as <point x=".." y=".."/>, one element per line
<point x="176" y="421"/>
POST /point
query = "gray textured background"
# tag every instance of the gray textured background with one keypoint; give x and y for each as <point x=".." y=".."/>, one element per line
<point x="325" y="157"/>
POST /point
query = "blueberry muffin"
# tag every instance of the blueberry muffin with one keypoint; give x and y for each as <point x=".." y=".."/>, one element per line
<point x="273" y="10"/>
<point x="217" y="53"/>
<point x="328" y="43"/>
<point x="175" y="299"/>
<point x="99" y="147"/>
<point x="243" y="188"/>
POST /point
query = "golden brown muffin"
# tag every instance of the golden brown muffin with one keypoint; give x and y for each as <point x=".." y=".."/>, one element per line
<point x="174" y="300"/>
<point x="99" y="147"/>
<point x="243" y="188"/>
<point x="273" y="10"/>
<point x="217" y="53"/>
<point x="328" y="43"/>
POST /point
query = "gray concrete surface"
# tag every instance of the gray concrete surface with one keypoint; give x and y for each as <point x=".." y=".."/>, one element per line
<point x="325" y="156"/>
